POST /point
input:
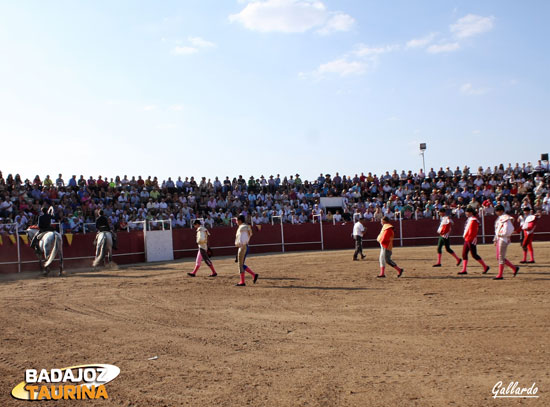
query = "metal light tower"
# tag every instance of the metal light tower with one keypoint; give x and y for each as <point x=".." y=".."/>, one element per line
<point x="422" y="149"/>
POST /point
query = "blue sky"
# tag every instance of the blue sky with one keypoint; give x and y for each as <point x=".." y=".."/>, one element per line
<point x="212" y="87"/>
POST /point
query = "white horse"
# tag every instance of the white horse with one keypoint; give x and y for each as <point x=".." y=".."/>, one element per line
<point x="51" y="246"/>
<point x="103" y="249"/>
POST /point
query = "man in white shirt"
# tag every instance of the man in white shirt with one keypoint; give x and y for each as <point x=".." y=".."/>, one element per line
<point x="358" y="231"/>
<point x="209" y="222"/>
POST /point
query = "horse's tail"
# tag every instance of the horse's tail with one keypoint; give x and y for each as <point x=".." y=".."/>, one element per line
<point x="53" y="252"/>
<point x="100" y="249"/>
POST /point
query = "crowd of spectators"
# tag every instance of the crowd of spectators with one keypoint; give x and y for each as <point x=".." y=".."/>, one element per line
<point x="128" y="202"/>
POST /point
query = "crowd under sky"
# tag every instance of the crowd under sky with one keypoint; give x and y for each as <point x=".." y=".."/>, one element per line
<point x="210" y="87"/>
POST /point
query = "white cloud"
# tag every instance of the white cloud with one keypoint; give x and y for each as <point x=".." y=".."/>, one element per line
<point x="338" y="22"/>
<point x="291" y="16"/>
<point x="467" y="26"/>
<point x="471" y="25"/>
<point x="476" y="131"/>
<point x="149" y="108"/>
<point x="195" y="45"/>
<point x="446" y="47"/>
<point x="342" y="67"/>
<point x="176" y="108"/>
<point x="469" y="89"/>
<point x="185" y="50"/>
<point x="356" y="62"/>
<point x="421" y="42"/>
<point x="363" y="50"/>
<point x="201" y="43"/>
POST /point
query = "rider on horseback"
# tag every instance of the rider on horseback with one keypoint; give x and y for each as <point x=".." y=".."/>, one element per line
<point x="102" y="225"/>
<point x="44" y="226"/>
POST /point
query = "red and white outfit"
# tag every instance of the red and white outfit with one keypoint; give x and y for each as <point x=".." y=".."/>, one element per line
<point x="202" y="254"/>
<point x="528" y="227"/>
<point x="504" y="227"/>
<point x="470" y="244"/>
<point x="444" y="232"/>
<point x="444" y="229"/>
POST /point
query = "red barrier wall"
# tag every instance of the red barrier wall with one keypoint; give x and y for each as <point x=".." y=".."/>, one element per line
<point x="267" y="238"/>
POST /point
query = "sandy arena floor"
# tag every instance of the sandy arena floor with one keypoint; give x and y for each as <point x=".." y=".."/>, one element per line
<point x="316" y="330"/>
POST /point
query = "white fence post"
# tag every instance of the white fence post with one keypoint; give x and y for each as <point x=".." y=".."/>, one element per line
<point x="282" y="231"/>
<point x="321" y="226"/>
<point x="322" y="240"/>
<point x="400" y="228"/>
<point x="18" y="249"/>
<point x="483" y="224"/>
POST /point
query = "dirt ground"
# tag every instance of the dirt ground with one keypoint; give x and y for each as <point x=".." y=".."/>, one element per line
<point x="316" y="330"/>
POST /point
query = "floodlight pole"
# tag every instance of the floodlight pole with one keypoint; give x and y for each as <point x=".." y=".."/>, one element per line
<point x="422" y="149"/>
<point x="423" y="162"/>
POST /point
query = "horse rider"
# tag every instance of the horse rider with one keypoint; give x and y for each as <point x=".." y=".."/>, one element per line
<point x="44" y="226"/>
<point x="102" y="225"/>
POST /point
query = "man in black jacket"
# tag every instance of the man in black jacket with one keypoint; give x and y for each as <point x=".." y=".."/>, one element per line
<point x="44" y="225"/>
<point x="102" y="225"/>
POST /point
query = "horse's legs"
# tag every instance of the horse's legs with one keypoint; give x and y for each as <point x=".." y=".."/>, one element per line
<point x="44" y="271"/>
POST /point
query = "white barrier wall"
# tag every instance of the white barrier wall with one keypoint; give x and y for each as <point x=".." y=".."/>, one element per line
<point x="159" y="245"/>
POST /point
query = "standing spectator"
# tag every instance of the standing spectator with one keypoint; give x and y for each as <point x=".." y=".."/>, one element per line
<point x="59" y="182"/>
<point x="48" y="181"/>
<point x="72" y="182"/>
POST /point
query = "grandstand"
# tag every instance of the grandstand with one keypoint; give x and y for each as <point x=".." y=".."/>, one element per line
<point x="130" y="201"/>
